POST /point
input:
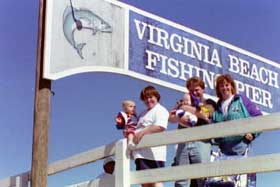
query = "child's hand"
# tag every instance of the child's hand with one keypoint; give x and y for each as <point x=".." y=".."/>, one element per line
<point x="119" y="120"/>
<point x="173" y="112"/>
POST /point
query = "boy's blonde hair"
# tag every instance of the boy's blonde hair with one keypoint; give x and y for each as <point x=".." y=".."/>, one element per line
<point x="127" y="102"/>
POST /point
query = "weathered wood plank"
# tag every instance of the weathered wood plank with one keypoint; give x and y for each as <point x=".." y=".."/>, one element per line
<point x="82" y="158"/>
<point x="229" y="128"/>
<point x="266" y="163"/>
<point x="107" y="181"/>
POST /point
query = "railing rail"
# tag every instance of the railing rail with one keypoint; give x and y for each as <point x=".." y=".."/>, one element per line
<point x="82" y="158"/>
<point x="265" y="163"/>
<point x="125" y="177"/>
<point x="223" y="129"/>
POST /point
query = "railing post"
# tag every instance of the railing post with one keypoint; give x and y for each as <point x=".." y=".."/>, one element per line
<point x="19" y="181"/>
<point x="122" y="167"/>
<point x="22" y="180"/>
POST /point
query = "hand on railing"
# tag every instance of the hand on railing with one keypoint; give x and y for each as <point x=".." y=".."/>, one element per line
<point x="138" y="136"/>
<point x="147" y="130"/>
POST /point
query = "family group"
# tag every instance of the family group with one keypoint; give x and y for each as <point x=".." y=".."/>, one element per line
<point x="192" y="110"/>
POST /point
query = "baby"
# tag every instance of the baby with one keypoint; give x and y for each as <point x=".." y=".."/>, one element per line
<point x="206" y="108"/>
<point x="179" y="112"/>
<point x="127" y="121"/>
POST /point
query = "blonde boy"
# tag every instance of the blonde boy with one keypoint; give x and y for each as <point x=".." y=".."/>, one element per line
<point x="127" y="120"/>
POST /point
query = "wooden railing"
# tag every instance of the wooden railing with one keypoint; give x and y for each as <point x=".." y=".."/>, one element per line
<point x="20" y="180"/>
<point x="124" y="177"/>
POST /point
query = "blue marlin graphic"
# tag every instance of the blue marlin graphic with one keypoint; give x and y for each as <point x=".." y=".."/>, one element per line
<point x="73" y="20"/>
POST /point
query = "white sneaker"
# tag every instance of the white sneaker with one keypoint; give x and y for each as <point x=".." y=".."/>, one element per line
<point x="130" y="145"/>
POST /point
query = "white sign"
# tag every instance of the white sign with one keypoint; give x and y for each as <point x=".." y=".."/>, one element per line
<point x="110" y="36"/>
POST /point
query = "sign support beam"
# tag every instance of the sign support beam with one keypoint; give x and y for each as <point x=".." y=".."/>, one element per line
<point x="39" y="169"/>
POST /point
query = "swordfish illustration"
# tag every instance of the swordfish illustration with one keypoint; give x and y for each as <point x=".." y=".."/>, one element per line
<point x="78" y="19"/>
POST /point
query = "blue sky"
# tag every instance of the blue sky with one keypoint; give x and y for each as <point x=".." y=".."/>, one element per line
<point x="84" y="105"/>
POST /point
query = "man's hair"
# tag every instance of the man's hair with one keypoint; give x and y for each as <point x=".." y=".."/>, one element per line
<point x="196" y="81"/>
<point x="148" y="92"/>
<point x="220" y="79"/>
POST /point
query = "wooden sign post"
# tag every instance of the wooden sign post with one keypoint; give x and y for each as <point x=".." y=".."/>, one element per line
<point x="39" y="169"/>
